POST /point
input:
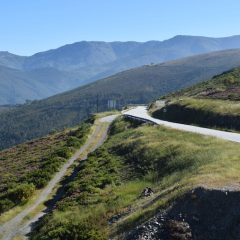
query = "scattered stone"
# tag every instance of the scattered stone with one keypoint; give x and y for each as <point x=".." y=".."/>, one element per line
<point x="178" y="230"/>
<point x="200" y="214"/>
<point x="147" y="192"/>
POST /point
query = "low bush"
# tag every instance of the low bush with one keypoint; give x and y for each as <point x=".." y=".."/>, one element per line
<point x="63" y="152"/>
<point x="71" y="227"/>
<point x="73" y="142"/>
<point x="21" y="192"/>
<point x="18" y="186"/>
<point x="18" y="194"/>
<point x="81" y="132"/>
<point x="5" y="204"/>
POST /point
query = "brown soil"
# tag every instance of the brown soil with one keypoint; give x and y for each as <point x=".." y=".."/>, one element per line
<point x="232" y="93"/>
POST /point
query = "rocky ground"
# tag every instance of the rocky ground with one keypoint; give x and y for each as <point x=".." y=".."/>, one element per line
<point x="200" y="214"/>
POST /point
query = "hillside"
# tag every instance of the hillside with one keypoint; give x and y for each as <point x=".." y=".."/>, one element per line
<point x="213" y="103"/>
<point x="47" y="73"/>
<point x="33" y="175"/>
<point x="17" y="86"/>
<point x="140" y="85"/>
<point x="185" y="173"/>
<point x="143" y="181"/>
<point x="11" y="60"/>
<point x="28" y="167"/>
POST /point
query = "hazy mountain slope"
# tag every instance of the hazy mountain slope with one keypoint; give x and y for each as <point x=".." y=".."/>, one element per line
<point x="73" y="56"/>
<point x="92" y="60"/>
<point x="140" y="85"/>
<point x="85" y="54"/>
<point x="11" y="60"/>
<point x="84" y="62"/>
<point x="16" y="86"/>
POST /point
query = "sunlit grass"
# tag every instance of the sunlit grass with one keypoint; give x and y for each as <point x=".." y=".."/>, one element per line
<point x="211" y="105"/>
<point x="169" y="161"/>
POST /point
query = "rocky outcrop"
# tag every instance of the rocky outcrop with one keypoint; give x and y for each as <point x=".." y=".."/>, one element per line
<point x="201" y="214"/>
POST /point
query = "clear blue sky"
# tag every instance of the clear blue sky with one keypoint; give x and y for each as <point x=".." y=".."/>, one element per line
<point x="29" y="26"/>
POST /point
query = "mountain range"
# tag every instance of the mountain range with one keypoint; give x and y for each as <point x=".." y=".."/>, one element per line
<point x="138" y="85"/>
<point x="47" y="73"/>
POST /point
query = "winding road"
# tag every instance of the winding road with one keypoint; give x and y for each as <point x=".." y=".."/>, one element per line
<point x="141" y="113"/>
<point x="16" y="226"/>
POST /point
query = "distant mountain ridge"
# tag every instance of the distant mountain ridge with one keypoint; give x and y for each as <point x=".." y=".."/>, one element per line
<point x="79" y="63"/>
<point x="138" y="85"/>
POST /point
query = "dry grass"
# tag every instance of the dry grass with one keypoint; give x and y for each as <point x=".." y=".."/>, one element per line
<point x="169" y="161"/>
<point x="223" y="107"/>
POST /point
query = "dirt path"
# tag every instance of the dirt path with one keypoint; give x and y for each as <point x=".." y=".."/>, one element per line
<point x="15" y="226"/>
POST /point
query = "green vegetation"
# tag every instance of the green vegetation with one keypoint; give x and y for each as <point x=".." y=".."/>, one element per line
<point x="104" y="199"/>
<point x="139" y="85"/>
<point x="225" y="86"/>
<point x="30" y="166"/>
<point x="221" y="107"/>
<point x="214" y="103"/>
<point x="223" y="114"/>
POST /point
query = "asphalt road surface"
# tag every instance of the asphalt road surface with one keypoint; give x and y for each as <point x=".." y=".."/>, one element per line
<point x="141" y="113"/>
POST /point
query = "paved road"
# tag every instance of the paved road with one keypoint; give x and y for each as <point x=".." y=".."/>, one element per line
<point x="141" y="112"/>
<point x="15" y="227"/>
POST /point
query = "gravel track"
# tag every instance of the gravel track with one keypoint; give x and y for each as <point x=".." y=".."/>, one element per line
<point x="15" y="226"/>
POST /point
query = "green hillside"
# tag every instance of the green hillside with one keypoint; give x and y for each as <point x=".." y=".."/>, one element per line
<point x="29" y="166"/>
<point x="225" y="86"/>
<point x="139" y="85"/>
<point x="213" y="103"/>
<point x="105" y="199"/>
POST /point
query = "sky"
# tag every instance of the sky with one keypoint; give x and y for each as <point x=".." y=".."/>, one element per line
<point x="30" y="26"/>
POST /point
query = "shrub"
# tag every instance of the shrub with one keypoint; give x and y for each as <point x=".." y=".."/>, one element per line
<point x="73" y="229"/>
<point x="21" y="192"/>
<point x="73" y="142"/>
<point x="63" y="152"/>
<point x="39" y="177"/>
<point x="229" y="80"/>
<point x="82" y="131"/>
<point x="5" y="204"/>
<point x="83" y="231"/>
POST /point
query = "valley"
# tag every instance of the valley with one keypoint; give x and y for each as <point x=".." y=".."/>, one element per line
<point x="138" y="86"/>
<point x="150" y="172"/>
